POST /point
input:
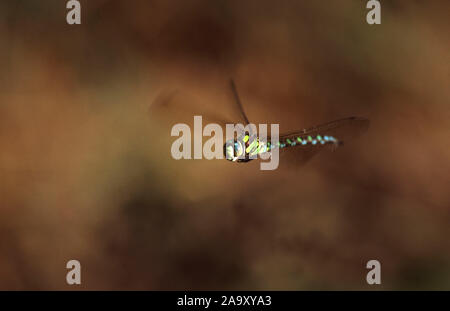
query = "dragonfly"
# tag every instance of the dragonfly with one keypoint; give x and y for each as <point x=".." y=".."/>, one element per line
<point x="248" y="146"/>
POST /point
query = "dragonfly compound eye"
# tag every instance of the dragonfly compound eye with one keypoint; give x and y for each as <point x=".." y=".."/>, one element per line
<point x="238" y="149"/>
<point x="233" y="150"/>
<point x="228" y="150"/>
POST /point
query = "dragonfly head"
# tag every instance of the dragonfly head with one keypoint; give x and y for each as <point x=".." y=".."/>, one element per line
<point x="234" y="150"/>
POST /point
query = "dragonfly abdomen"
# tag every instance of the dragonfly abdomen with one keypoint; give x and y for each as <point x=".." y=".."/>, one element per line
<point x="306" y="140"/>
<point x="257" y="146"/>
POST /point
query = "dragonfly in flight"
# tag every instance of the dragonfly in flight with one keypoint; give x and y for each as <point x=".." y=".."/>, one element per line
<point x="248" y="146"/>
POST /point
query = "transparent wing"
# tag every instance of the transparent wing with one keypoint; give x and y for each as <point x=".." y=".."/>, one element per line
<point x="238" y="103"/>
<point x="175" y="106"/>
<point x="178" y="105"/>
<point x="342" y="129"/>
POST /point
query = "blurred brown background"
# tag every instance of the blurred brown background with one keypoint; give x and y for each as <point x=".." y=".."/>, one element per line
<point x="85" y="166"/>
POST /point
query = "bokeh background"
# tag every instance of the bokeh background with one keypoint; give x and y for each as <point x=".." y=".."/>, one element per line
<point x="85" y="165"/>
